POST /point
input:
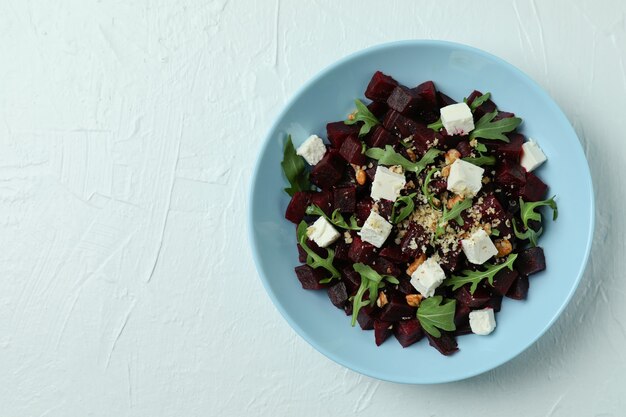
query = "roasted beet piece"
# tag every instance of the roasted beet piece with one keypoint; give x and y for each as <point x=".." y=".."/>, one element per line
<point x="413" y="240"/>
<point x="463" y="330"/>
<point x="510" y="174"/>
<point x="366" y="318"/>
<point x="378" y="108"/>
<point x="398" y="124"/>
<point x="396" y="309"/>
<point x="423" y="138"/>
<point x="328" y="171"/>
<point x="478" y="299"/>
<point x="338" y="294"/>
<point x="503" y="280"/>
<point x="310" y="278"/>
<point x="451" y="261"/>
<point x="438" y="185"/>
<point x="495" y="303"/>
<point x="381" y="137"/>
<point x="411" y="101"/>
<point x="351" y="150"/>
<point x="503" y="115"/>
<point x="408" y="332"/>
<point x="429" y="112"/>
<point x="380" y="87"/>
<point x="444" y="100"/>
<point x="385" y="207"/>
<point x="492" y="210"/>
<point x="461" y="315"/>
<point x="324" y="200"/>
<point x="464" y="148"/>
<point x="351" y="278"/>
<point x="363" y="209"/>
<point x="530" y="261"/>
<point x="385" y="267"/>
<point x="296" y="209"/>
<point x="405" y="286"/>
<point x="313" y="246"/>
<point x="361" y="251"/>
<point x="446" y="344"/>
<point x="382" y="330"/>
<point x="519" y="289"/>
<point x="348" y="308"/>
<point x="534" y="189"/>
<point x="344" y="199"/>
<point x="394" y="254"/>
<point x="487" y="107"/>
<point x="341" y="250"/>
<point x="337" y="132"/>
<point x="511" y="151"/>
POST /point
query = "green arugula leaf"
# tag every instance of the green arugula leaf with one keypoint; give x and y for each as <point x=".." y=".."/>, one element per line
<point x="426" y="190"/>
<point x="478" y="101"/>
<point x="294" y="169"/>
<point x="528" y="212"/>
<point x="453" y="214"/>
<point x="487" y="129"/>
<point x="363" y="114"/>
<point x="372" y="281"/>
<point x="480" y="147"/>
<point x="436" y="126"/>
<point x="390" y="157"/>
<point x="530" y="234"/>
<point x="406" y="205"/>
<point x="313" y="259"/>
<point x="475" y="277"/>
<point x="433" y="315"/>
<point x="481" y="160"/>
<point x="495" y="232"/>
<point x="336" y="218"/>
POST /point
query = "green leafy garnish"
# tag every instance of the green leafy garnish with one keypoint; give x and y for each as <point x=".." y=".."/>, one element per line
<point x="363" y="114"/>
<point x="388" y="156"/>
<point x="294" y="169"/>
<point x="372" y="281"/>
<point x="336" y="218"/>
<point x="426" y="191"/>
<point x="487" y="129"/>
<point x="478" y="101"/>
<point x="495" y="232"/>
<point x="433" y="315"/>
<point x="405" y="205"/>
<point x="453" y="214"/>
<point x="480" y="147"/>
<point x="527" y="213"/>
<point x="481" y="160"/>
<point x="475" y="277"/>
<point x="313" y="259"/>
<point x="436" y="126"/>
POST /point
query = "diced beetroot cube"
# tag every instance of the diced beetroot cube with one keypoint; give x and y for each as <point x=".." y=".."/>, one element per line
<point x="406" y="101"/>
<point x="408" y="332"/>
<point x="385" y="267"/>
<point x="503" y="280"/>
<point x="380" y="87"/>
<point x="313" y="246"/>
<point x="366" y="318"/>
<point x="399" y="125"/>
<point x="385" y="207"/>
<point x="380" y="138"/>
<point x="511" y="151"/>
<point x="519" y="289"/>
<point x="405" y="286"/>
<point x="351" y="278"/>
<point x="478" y="299"/>
<point x="446" y="141"/>
<point x="371" y="172"/>
<point x="341" y="250"/>
<point x="534" y="189"/>
<point x="491" y="210"/>
<point x="503" y="115"/>
<point x="495" y="303"/>
<point x="328" y="171"/>
<point x="382" y="330"/>
<point x="444" y="100"/>
<point x="446" y="344"/>
<point x="361" y="251"/>
<point x="378" y="108"/>
<point x="348" y="308"/>
<point x="296" y="209"/>
<point x="396" y="309"/>
<point x="394" y="254"/>
<point x="412" y="242"/>
<point x="324" y="200"/>
<point x="337" y="132"/>
<point x="430" y="108"/>
<point x="310" y="278"/>
<point x="363" y="209"/>
<point x="423" y="137"/>
<point x="510" y="174"/>
<point x="464" y="148"/>
<point x="487" y="107"/>
<point x="451" y="261"/>
<point x="463" y="330"/>
<point x="338" y="294"/>
<point x="438" y="185"/>
<point x="461" y="315"/>
<point x="352" y="150"/>
<point x="530" y="261"/>
<point x="344" y="199"/>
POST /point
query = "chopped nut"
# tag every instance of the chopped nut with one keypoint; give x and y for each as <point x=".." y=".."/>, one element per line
<point x="352" y="116"/>
<point x="396" y="169"/>
<point x="486" y="180"/>
<point x="452" y="201"/>
<point x="451" y="156"/>
<point x="382" y="299"/>
<point x="415" y="264"/>
<point x="413" y="300"/>
<point x="361" y="177"/>
<point x="410" y="185"/>
<point x="445" y="171"/>
<point x="504" y="247"/>
<point x="487" y="228"/>
<point x="411" y="155"/>
<point x="436" y="202"/>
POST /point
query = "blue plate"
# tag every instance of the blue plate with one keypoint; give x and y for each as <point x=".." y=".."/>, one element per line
<point x="456" y="70"/>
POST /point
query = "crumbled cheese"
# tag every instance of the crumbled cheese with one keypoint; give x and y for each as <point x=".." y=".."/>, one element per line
<point x="482" y="322"/>
<point x="478" y="248"/>
<point x="465" y="179"/>
<point x="322" y="232"/>
<point x="387" y="184"/>
<point x="427" y="277"/>
<point x="375" y="230"/>
<point x="312" y="150"/>
<point x="532" y="156"/>
<point x="457" y="119"/>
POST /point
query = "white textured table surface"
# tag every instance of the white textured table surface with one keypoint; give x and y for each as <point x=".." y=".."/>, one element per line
<point x="127" y="135"/>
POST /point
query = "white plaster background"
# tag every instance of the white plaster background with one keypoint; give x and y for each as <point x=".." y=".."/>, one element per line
<point x="127" y="134"/>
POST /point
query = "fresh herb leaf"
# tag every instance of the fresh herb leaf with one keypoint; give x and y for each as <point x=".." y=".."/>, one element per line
<point x="436" y="126"/>
<point x="480" y="147"/>
<point x="406" y="205"/>
<point x="313" y="259"/>
<point x="390" y="157"/>
<point x="481" y="160"/>
<point x="530" y="234"/>
<point x="294" y="169"/>
<point x="372" y="281"/>
<point x="336" y="218"/>
<point x="453" y="214"/>
<point x="495" y="232"/>
<point x="487" y="129"/>
<point x="363" y="114"/>
<point x="426" y="190"/>
<point x="475" y="277"/>
<point x="433" y="315"/>
<point x="528" y="212"/>
<point x="478" y="101"/>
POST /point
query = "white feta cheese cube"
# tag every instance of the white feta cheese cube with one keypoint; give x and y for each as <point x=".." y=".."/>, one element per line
<point x="322" y="232"/>
<point x="482" y="321"/>
<point x="427" y="277"/>
<point x="312" y="150"/>
<point x="532" y="155"/>
<point x="478" y="248"/>
<point x="457" y="119"/>
<point x="465" y="178"/>
<point x="387" y="184"/>
<point x="375" y="230"/>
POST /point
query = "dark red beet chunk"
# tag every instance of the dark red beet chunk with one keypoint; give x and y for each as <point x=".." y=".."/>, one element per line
<point x="378" y="108"/>
<point x="429" y="111"/>
<point x="464" y="148"/>
<point x="461" y="315"/>
<point x="348" y="309"/>
<point x="446" y="344"/>
<point x="511" y="151"/>
<point x="328" y="171"/>
<point x="478" y="299"/>
<point x="363" y="209"/>
<point x="503" y="280"/>
<point x="366" y="318"/>
<point x="382" y="330"/>
<point x="463" y="330"/>
<point x="412" y="242"/>
<point x="438" y="185"/>
<point x="406" y="101"/>
<point x="296" y="209"/>
<point x="337" y="132"/>
<point x="408" y="332"/>
<point x="351" y="150"/>
<point x="380" y="87"/>
<point x="511" y="174"/>
<point x="394" y="254"/>
<point x="338" y="294"/>
<point x="351" y="278"/>
<point x="324" y="200"/>
<point x="534" y="189"/>
<point x="310" y="278"/>
<point x="519" y="289"/>
<point x="530" y="261"/>
<point x="405" y="286"/>
<point x="444" y="100"/>
<point x="396" y="309"/>
<point x="487" y="107"/>
<point x="361" y="251"/>
<point x="313" y="246"/>
<point x="380" y="138"/>
<point x="495" y="303"/>
<point x="423" y="138"/>
<point x="398" y="124"/>
<point x="344" y="199"/>
<point x="385" y="207"/>
<point x="452" y="260"/>
<point x="503" y="115"/>
<point x="385" y="267"/>
<point x="341" y="250"/>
